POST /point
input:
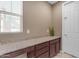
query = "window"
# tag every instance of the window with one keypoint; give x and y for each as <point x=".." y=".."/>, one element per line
<point x="10" y="16"/>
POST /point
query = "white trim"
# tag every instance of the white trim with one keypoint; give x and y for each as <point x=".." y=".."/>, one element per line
<point x="14" y="14"/>
<point x="67" y="2"/>
<point x="9" y="13"/>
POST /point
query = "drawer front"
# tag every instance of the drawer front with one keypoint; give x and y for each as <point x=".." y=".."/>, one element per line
<point x="42" y="45"/>
<point x="45" y="55"/>
<point x="41" y="51"/>
<point x="31" y="54"/>
<point x="30" y="49"/>
<point x="54" y="41"/>
<point x="13" y="54"/>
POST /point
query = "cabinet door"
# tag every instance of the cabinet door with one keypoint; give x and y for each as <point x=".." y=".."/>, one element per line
<point x="57" y="46"/>
<point x="42" y="45"/>
<point x="31" y="52"/>
<point x="52" y="50"/>
<point x="42" y="51"/>
<point x="45" y="55"/>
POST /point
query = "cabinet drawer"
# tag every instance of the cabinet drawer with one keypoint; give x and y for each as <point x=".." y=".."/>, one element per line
<point x="42" y="45"/>
<point x="31" y="54"/>
<point x="13" y="54"/>
<point x="45" y="55"/>
<point x="30" y="49"/>
<point x="54" y="41"/>
<point x="41" y="51"/>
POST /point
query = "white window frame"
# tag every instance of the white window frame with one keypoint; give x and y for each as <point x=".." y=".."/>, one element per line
<point x="13" y="14"/>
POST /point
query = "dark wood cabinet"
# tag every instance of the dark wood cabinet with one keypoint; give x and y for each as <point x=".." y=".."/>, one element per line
<point x="13" y="54"/>
<point x="52" y="50"/>
<point x="31" y="52"/>
<point x="55" y="46"/>
<point x="44" y="55"/>
<point x="45" y="50"/>
<point x="42" y="45"/>
<point x="42" y="51"/>
<point x="38" y="51"/>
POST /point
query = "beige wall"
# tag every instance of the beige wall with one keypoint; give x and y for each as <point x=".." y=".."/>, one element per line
<point x="57" y="18"/>
<point x="36" y="18"/>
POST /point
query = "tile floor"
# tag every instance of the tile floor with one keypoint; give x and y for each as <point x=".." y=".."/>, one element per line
<point x="63" y="55"/>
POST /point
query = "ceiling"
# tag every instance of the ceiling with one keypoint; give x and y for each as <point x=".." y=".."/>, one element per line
<point x="52" y="2"/>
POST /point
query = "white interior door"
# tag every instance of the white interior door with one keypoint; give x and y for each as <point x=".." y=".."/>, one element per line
<point x="70" y="28"/>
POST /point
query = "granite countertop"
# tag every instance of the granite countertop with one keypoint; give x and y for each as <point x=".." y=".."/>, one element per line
<point x="10" y="46"/>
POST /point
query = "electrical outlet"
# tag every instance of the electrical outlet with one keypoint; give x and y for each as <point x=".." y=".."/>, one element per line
<point x="28" y="31"/>
<point x="47" y="30"/>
